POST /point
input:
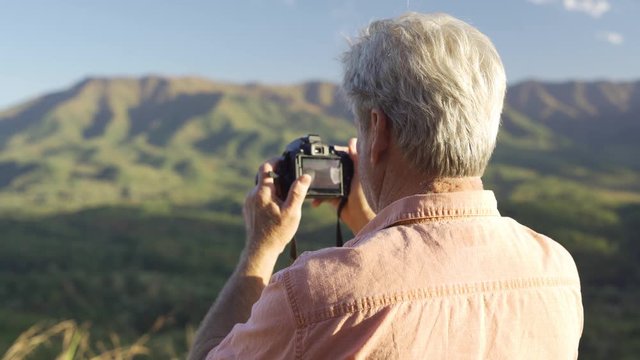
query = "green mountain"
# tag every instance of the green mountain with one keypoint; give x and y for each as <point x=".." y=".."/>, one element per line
<point x="187" y="141"/>
<point x="601" y="116"/>
<point x="120" y="198"/>
<point x="152" y="141"/>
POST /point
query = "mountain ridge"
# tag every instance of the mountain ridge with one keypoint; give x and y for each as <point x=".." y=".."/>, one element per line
<point x="128" y="135"/>
<point x="621" y="96"/>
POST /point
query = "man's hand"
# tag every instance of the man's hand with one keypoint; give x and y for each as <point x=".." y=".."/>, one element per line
<point x="270" y="222"/>
<point x="357" y="213"/>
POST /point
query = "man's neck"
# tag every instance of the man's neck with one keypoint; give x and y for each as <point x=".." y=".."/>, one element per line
<point x="444" y="185"/>
<point x="394" y="178"/>
<point x="395" y="190"/>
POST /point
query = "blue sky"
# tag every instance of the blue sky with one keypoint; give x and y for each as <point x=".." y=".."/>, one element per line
<point x="48" y="45"/>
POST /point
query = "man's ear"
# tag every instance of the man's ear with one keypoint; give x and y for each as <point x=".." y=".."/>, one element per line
<point x="380" y="135"/>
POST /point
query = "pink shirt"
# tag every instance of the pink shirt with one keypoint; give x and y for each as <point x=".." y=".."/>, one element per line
<point x="437" y="276"/>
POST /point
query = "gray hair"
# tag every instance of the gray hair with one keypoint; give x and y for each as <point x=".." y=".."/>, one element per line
<point x="441" y="83"/>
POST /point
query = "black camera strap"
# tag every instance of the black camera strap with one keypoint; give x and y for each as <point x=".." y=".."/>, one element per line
<point x="339" y="241"/>
<point x="293" y="247"/>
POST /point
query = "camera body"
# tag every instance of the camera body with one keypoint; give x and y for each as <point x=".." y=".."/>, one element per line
<point x="331" y="170"/>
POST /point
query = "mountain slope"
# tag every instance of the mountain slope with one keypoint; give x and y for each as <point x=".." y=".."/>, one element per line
<point x="600" y="117"/>
<point x="111" y="141"/>
<point x="157" y="140"/>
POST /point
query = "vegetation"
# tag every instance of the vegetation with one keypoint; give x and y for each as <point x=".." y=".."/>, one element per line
<point x="69" y="341"/>
<point x="120" y="204"/>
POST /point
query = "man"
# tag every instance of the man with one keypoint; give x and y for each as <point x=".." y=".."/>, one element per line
<point x="437" y="273"/>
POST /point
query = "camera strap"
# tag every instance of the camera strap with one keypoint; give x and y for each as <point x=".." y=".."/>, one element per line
<point x="293" y="247"/>
<point x="339" y="241"/>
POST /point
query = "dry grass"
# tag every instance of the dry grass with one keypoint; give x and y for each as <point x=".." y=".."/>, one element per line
<point x="73" y="342"/>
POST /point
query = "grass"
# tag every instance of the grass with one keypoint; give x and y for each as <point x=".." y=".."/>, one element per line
<point x="67" y="340"/>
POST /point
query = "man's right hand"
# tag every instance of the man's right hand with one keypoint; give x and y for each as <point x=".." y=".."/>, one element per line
<point x="270" y="222"/>
<point x="357" y="213"/>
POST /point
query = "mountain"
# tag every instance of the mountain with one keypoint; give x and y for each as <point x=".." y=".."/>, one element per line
<point x="600" y="116"/>
<point x="152" y="140"/>
<point x="120" y="198"/>
<point x="181" y="141"/>
<point x="574" y="100"/>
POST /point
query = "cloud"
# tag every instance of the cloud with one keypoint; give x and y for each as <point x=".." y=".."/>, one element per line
<point x="593" y="8"/>
<point x="611" y="37"/>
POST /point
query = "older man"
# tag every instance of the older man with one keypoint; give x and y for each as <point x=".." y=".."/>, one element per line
<point x="437" y="273"/>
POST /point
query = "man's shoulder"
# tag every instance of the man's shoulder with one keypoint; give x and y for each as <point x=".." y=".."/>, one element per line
<point x="338" y="276"/>
<point x="318" y="267"/>
<point x="313" y="270"/>
<point x="330" y="263"/>
<point x="550" y="254"/>
<point x="420" y="261"/>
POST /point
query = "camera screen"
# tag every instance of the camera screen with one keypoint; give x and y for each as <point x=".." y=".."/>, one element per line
<point x="325" y="173"/>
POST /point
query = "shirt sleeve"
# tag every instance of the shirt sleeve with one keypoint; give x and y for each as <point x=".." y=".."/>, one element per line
<point x="268" y="334"/>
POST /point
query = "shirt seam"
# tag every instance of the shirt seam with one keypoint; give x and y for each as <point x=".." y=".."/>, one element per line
<point x="448" y="204"/>
<point x="379" y="301"/>
<point x="297" y="336"/>
<point x="419" y="217"/>
<point x="427" y="216"/>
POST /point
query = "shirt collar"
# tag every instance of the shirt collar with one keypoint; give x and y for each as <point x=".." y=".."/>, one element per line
<point x="433" y="206"/>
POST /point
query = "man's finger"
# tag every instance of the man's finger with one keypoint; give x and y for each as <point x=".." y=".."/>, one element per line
<point x="266" y="172"/>
<point x="297" y="193"/>
<point x="353" y="153"/>
<point x="353" y="142"/>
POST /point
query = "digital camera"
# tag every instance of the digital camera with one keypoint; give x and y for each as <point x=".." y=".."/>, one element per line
<point x="330" y="170"/>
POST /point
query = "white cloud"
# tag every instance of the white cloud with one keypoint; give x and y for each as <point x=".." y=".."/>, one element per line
<point x="611" y="37"/>
<point x="594" y="8"/>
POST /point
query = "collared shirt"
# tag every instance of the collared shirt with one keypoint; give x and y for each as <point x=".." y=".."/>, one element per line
<point x="436" y="276"/>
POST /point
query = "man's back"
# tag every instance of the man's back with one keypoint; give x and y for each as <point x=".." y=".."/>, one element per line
<point x="432" y="276"/>
<point x="434" y="271"/>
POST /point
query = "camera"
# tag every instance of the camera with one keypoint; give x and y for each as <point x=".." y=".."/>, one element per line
<point x="330" y="170"/>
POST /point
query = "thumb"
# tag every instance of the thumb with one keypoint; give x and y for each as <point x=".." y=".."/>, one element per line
<point x="353" y="150"/>
<point x="297" y="193"/>
<point x="353" y="144"/>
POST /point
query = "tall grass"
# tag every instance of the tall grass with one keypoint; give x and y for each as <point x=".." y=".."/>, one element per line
<point x="69" y="341"/>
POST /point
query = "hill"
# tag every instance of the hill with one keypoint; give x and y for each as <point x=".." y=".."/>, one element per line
<point x="151" y="141"/>
<point x="156" y="141"/>
<point x="120" y="198"/>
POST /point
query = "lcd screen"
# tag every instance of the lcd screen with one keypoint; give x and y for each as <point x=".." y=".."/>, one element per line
<point x="325" y="173"/>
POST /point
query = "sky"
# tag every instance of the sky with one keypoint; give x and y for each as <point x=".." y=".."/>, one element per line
<point x="49" y="45"/>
